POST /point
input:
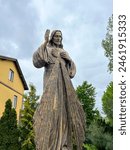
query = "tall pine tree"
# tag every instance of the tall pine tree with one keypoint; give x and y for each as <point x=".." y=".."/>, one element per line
<point x="9" y="133"/>
<point x="26" y="121"/>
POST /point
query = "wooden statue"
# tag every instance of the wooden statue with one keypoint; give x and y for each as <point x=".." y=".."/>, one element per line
<point x="59" y="120"/>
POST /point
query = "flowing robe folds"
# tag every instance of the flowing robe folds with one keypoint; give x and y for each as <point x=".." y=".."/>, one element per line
<point x="59" y="119"/>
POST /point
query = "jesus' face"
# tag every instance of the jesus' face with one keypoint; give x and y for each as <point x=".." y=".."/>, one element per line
<point x="57" y="38"/>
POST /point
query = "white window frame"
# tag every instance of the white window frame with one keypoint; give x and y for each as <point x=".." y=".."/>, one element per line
<point x="11" y="75"/>
<point x="15" y="100"/>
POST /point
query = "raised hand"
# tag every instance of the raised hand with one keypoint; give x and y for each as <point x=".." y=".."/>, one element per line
<point x="46" y="36"/>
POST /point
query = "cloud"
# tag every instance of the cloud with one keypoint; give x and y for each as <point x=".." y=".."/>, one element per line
<point x="83" y="23"/>
<point x="17" y="27"/>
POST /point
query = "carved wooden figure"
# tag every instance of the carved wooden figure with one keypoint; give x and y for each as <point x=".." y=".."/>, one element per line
<point x="59" y="119"/>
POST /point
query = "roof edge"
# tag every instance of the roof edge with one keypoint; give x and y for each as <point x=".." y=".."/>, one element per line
<point x="19" y="69"/>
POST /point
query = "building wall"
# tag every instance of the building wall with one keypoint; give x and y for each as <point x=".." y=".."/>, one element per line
<point x="10" y="88"/>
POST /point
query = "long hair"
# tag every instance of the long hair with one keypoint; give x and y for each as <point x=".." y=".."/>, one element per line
<point x="51" y="43"/>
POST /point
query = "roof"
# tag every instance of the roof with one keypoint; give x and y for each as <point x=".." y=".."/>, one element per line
<point x="18" y="68"/>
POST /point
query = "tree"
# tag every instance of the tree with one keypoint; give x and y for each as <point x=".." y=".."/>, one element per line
<point x="26" y="120"/>
<point x="100" y="134"/>
<point x="107" y="102"/>
<point x="86" y="94"/>
<point x="89" y="147"/>
<point x="9" y="133"/>
<point x="107" y="44"/>
<point x="107" y="98"/>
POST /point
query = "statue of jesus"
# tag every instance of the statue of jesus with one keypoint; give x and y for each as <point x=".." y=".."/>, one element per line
<point x="59" y="120"/>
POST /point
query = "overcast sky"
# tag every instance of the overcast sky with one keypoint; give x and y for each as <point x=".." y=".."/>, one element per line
<point x="83" y="24"/>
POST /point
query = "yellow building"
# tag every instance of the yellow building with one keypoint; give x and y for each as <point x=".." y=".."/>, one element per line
<point x="12" y="83"/>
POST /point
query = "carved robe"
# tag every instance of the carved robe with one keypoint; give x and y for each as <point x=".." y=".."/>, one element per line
<point x="59" y="119"/>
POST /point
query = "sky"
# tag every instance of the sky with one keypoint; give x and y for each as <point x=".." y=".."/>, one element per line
<point x="83" y="24"/>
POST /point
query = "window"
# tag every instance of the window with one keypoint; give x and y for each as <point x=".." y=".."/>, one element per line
<point x="11" y="75"/>
<point x="15" y="101"/>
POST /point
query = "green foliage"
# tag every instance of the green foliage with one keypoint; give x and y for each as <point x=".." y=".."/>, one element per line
<point x="100" y="135"/>
<point x="9" y="133"/>
<point x="89" y="147"/>
<point x="98" y="132"/>
<point x="107" y="102"/>
<point x="86" y="94"/>
<point x="26" y="120"/>
<point x="107" y="44"/>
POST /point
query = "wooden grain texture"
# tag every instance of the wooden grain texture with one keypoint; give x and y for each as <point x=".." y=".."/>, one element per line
<point x="59" y="118"/>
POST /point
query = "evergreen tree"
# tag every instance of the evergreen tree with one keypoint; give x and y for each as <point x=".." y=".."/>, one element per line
<point x="26" y="121"/>
<point x="100" y="134"/>
<point x="9" y="133"/>
<point x="107" y="44"/>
